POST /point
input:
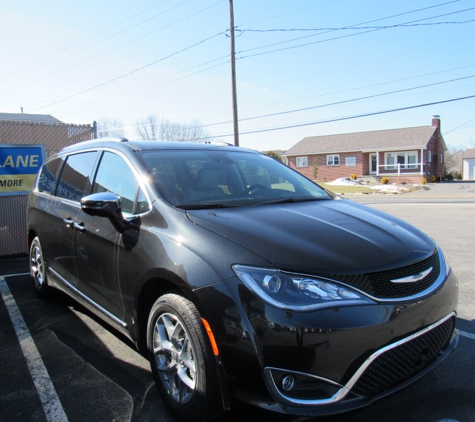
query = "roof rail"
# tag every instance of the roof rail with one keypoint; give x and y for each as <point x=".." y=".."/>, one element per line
<point x="216" y="143"/>
<point x="112" y="138"/>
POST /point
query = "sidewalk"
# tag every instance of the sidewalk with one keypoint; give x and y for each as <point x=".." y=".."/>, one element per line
<point x="455" y="189"/>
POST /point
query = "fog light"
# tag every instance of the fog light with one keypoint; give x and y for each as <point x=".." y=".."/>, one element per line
<point x="272" y="283"/>
<point x="288" y="382"/>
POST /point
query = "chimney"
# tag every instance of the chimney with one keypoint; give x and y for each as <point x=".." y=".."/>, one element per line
<point x="436" y="120"/>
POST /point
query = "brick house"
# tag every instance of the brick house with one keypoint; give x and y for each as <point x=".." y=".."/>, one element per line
<point x="402" y="155"/>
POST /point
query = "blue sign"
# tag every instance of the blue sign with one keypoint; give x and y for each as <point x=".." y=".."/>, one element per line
<point x="19" y="165"/>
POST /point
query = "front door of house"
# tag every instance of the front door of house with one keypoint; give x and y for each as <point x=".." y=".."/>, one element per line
<point x="373" y="163"/>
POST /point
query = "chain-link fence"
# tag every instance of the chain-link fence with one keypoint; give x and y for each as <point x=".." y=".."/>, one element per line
<point x="54" y="136"/>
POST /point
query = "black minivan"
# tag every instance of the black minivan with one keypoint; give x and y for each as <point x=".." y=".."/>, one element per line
<point x="239" y="278"/>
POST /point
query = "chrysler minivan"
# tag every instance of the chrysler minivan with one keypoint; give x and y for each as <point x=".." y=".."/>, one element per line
<point x="239" y="278"/>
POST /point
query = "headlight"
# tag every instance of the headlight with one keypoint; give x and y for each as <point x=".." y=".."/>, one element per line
<point x="297" y="292"/>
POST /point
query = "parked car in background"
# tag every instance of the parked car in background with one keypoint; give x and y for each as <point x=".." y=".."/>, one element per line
<point x="239" y="278"/>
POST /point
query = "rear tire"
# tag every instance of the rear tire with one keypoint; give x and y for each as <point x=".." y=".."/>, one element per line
<point x="182" y="361"/>
<point x="38" y="270"/>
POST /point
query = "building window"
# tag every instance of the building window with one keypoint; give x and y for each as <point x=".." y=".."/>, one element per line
<point x="429" y="156"/>
<point x="301" y="162"/>
<point x="405" y="159"/>
<point x="333" y="160"/>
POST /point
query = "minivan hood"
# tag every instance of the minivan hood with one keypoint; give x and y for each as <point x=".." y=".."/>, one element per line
<point x="319" y="237"/>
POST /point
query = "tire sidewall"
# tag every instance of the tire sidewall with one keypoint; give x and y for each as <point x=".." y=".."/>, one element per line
<point x="43" y="290"/>
<point x="172" y="304"/>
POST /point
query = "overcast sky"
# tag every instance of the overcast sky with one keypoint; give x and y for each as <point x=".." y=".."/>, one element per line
<point x="304" y="67"/>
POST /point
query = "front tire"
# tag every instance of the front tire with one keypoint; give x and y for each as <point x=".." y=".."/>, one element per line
<point x="38" y="270"/>
<point x="182" y="361"/>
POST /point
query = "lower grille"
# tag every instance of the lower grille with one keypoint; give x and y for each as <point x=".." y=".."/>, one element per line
<point x="403" y="362"/>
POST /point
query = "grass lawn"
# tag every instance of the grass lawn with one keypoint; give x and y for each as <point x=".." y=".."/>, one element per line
<point x="347" y="189"/>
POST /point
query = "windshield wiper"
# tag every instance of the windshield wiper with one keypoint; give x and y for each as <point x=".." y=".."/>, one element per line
<point x="204" y="206"/>
<point x="289" y="200"/>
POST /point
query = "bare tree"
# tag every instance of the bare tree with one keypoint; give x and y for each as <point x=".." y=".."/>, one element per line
<point x="147" y="128"/>
<point x="165" y="130"/>
<point x="110" y="127"/>
<point x="452" y="160"/>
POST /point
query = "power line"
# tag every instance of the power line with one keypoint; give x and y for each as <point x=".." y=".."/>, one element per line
<point x="130" y="73"/>
<point x="166" y="83"/>
<point x="342" y="28"/>
<point x="339" y="119"/>
<point x="86" y="39"/>
<point x="459" y="127"/>
<point x="358" y="99"/>
<point x="329" y="39"/>
<point x="316" y="106"/>
<point x="342" y="102"/>
<point x="194" y="45"/>
<point x="321" y="105"/>
<point x="370" y="21"/>
<point x="116" y="48"/>
<point x="150" y="64"/>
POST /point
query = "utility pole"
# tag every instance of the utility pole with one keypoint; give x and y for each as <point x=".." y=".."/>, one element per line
<point x="233" y="74"/>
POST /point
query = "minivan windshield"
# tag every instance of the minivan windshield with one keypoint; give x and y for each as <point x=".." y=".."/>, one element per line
<point x="198" y="179"/>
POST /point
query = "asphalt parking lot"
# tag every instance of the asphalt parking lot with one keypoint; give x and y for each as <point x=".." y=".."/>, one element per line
<point x="58" y="362"/>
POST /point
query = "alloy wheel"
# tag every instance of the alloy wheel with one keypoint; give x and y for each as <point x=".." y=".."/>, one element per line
<point x="37" y="266"/>
<point x="174" y="358"/>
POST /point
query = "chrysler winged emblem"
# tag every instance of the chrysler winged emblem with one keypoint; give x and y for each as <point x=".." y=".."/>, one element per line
<point x="413" y="278"/>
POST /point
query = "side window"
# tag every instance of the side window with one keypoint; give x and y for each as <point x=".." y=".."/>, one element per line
<point x="75" y="180"/>
<point x="48" y="177"/>
<point x="114" y="175"/>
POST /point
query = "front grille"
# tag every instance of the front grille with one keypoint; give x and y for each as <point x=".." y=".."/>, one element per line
<point x="378" y="284"/>
<point x="403" y="362"/>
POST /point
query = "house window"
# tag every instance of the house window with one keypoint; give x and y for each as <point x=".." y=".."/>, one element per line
<point x="429" y="156"/>
<point x="333" y="160"/>
<point x="405" y="159"/>
<point x="302" y="162"/>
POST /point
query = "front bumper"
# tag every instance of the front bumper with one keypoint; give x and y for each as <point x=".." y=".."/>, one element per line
<point x="387" y="370"/>
<point x="340" y="358"/>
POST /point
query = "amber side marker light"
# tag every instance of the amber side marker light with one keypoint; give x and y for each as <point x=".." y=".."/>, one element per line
<point x="211" y="337"/>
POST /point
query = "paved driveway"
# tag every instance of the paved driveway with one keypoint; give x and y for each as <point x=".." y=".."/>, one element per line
<point x="459" y="191"/>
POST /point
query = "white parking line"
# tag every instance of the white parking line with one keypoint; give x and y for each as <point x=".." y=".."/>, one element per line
<point x="49" y="399"/>
<point x="465" y="334"/>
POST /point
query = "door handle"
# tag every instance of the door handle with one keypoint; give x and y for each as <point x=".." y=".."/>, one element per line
<point x="68" y="222"/>
<point x="79" y="226"/>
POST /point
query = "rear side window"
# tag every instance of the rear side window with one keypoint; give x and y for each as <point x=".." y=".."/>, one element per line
<point x="48" y="177"/>
<point x="114" y="175"/>
<point x="75" y="180"/>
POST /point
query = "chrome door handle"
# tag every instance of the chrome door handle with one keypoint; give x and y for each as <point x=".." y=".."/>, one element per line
<point x="68" y="222"/>
<point x="79" y="226"/>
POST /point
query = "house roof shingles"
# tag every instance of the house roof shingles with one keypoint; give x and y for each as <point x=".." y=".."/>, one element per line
<point x="389" y="139"/>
